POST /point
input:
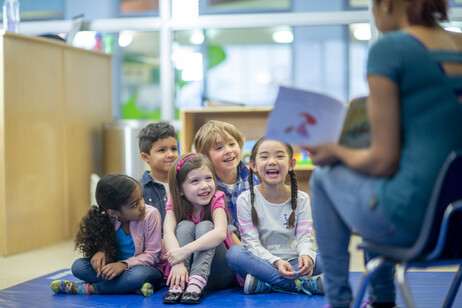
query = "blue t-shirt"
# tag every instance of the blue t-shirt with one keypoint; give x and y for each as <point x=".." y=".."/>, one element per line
<point x="126" y="245"/>
<point x="430" y="119"/>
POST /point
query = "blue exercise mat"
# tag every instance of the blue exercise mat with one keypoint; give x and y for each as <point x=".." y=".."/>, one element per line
<point x="428" y="288"/>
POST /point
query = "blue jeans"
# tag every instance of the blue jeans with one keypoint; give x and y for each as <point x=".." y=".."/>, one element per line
<point x="209" y="264"/>
<point x="130" y="280"/>
<point x="344" y="201"/>
<point x="244" y="262"/>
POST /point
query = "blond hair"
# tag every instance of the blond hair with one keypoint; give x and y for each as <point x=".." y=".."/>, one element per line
<point x="206" y="135"/>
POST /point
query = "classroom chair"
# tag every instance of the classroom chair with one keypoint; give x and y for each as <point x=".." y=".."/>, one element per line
<point x="439" y="242"/>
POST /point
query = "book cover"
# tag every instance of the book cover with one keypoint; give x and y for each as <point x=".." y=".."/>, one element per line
<point x="302" y="117"/>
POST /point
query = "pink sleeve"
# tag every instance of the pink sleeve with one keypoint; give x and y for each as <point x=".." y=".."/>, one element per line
<point x="218" y="201"/>
<point x="152" y="239"/>
<point x="168" y="205"/>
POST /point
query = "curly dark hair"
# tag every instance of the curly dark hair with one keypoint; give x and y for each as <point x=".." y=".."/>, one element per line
<point x="96" y="230"/>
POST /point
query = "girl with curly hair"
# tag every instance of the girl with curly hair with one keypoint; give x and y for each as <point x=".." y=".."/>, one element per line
<point x="120" y="240"/>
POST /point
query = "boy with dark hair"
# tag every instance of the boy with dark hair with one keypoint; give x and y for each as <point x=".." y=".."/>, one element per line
<point x="159" y="148"/>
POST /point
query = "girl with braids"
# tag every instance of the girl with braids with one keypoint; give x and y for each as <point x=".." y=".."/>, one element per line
<point x="195" y="232"/>
<point x="276" y="227"/>
<point x="121" y="243"/>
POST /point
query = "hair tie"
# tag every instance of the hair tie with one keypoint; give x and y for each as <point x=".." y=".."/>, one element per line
<point x="181" y="162"/>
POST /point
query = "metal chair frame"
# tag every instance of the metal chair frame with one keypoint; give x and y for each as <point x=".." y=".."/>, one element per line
<point x="439" y="242"/>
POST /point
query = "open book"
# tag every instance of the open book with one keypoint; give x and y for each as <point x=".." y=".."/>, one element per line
<point x="301" y="117"/>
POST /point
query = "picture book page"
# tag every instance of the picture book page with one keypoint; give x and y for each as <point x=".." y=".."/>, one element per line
<point x="305" y="118"/>
<point x="356" y="131"/>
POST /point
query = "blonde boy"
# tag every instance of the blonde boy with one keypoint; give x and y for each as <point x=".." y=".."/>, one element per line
<point x="222" y="143"/>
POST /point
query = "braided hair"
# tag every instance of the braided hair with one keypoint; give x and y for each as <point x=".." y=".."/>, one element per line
<point x="96" y="230"/>
<point x="293" y="184"/>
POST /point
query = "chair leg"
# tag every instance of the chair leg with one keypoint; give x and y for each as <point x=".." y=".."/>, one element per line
<point x="401" y="278"/>
<point x="371" y="267"/>
<point x="453" y="289"/>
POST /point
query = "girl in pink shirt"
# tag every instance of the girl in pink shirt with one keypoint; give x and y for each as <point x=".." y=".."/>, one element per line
<point x="121" y="243"/>
<point x="196" y="236"/>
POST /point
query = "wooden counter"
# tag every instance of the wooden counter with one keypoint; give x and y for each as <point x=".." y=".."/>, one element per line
<point x="54" y="99"/>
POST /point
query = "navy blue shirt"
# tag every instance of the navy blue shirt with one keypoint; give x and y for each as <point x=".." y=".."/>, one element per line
<point x="154" y="194"/>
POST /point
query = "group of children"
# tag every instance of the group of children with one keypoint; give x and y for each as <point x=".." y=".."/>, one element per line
<point x="199" y="221"/>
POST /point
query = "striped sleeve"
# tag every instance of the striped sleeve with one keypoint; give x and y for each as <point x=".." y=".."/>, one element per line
<point x="304" y="227"/>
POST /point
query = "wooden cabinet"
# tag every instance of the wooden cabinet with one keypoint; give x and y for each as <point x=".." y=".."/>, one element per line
<point x="54" y="99"/>
<point x="250" y="121"/>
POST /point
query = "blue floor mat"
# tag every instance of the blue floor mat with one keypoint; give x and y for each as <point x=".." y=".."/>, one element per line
<point x="428" y="289"/>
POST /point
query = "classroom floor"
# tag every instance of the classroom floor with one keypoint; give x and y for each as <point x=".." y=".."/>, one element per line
<point x="32" y="272"/>
<point x="22" y="267"/>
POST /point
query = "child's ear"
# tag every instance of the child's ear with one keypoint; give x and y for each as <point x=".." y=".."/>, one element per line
<point x="145" y="157"/>
<point x="292" y="164"/>
<point x="252" y="166"/>
<point x="113" y="213"/>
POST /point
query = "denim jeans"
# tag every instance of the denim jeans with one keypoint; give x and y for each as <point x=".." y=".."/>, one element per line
<point x="130" y="280"/>
<point x="344" y="201"/>
<point x="211" y="263"/>
<point x="244" y="262"/>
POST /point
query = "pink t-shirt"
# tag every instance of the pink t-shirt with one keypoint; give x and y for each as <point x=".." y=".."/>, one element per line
<point x="218" y="201"/>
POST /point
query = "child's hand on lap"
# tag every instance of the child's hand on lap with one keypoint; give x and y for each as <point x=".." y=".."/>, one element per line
<point x="98" y="261"/>
<point x="305" y="265"/>
<point x="285" y="269"/>
<point x="113" y="270"/>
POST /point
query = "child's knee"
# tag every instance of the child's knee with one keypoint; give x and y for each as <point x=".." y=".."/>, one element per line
<point x="203" y="227"/>
<point x="185" y="226"/>
<point x="234" y="253"/>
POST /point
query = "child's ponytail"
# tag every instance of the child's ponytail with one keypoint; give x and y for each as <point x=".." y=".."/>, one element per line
<point x="96" y="230"/>
<point x="293" y="197"/>
<point x="96" y="233"/>
<point x="255" y="219"/>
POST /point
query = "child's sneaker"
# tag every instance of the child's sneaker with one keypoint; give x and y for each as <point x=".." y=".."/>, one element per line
<point x="253" y="285"/>
<point x="310" y="285"/>
<point x="70" y="287"/>
<point x="146" y="289"/>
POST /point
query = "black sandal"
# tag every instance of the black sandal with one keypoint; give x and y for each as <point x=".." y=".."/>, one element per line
<point x="192" y="298"/>
<point x="172" y="297"/>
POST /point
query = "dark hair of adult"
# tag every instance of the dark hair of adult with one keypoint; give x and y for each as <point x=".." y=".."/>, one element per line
<point x="426" y="12"/>
<point x="293" y="184"/>
<point x="182" y="208"/>
<point x="153" y="132"/>
<point x="96" y="230"/>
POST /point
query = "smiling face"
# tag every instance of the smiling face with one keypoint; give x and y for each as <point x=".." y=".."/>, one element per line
<point x="225" y="154"/>
<point x="272" y="162"/>
<point x="160" y="158"/>
<point x="198" y="187"/>
<point x="134" y="209"/>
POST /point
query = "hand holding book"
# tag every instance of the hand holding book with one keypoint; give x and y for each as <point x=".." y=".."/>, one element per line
<point x="302" y="117"/>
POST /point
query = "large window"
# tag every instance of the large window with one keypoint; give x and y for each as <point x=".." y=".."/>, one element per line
<point x="175" y="54"/>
